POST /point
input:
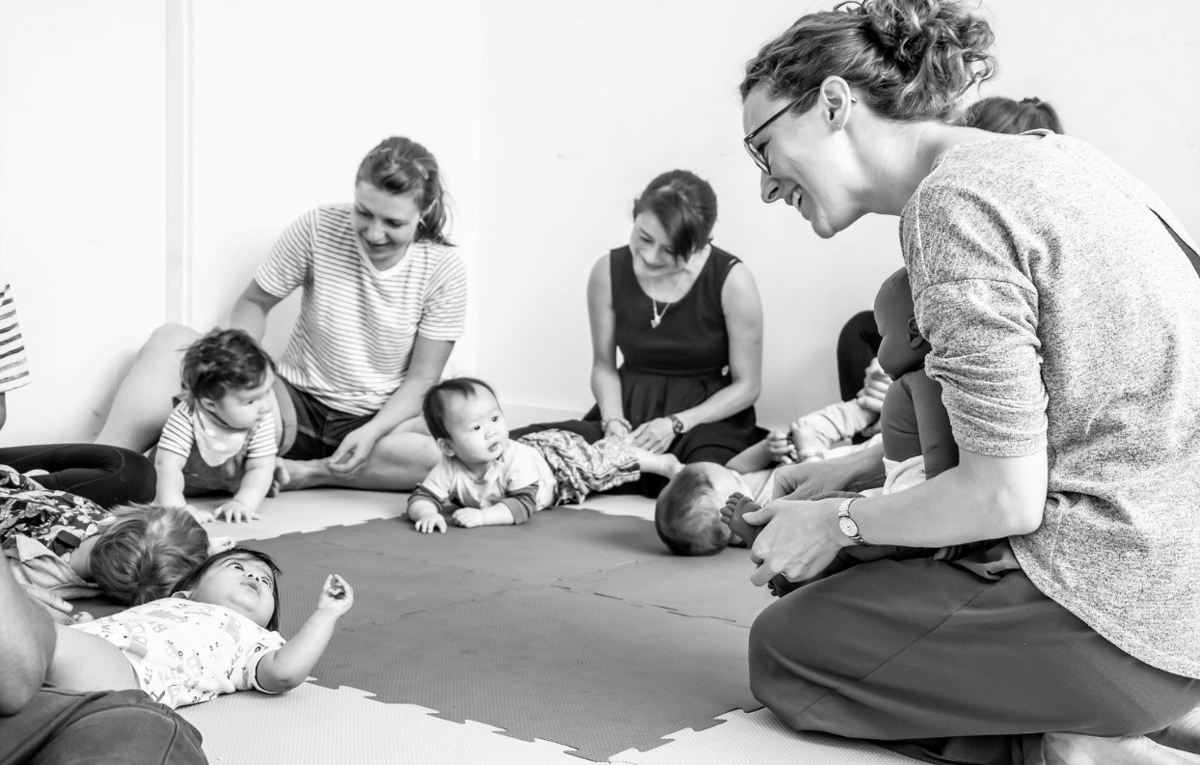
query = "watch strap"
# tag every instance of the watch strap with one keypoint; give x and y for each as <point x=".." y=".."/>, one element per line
<point x="844" y="512"/>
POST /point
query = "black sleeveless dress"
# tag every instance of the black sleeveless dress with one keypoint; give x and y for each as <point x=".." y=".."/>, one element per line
<point x="673" y="367"/>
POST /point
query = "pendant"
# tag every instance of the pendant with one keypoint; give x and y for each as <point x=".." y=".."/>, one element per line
<point x="655" y="322"/>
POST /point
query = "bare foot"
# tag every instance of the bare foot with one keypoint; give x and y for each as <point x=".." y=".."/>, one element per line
<point x="1078" y="749"/>
<point x="732" y="514"/>
<point x="1184" y="734"/>
<point x="299" y="474"/>
<point x="280" y="478"/>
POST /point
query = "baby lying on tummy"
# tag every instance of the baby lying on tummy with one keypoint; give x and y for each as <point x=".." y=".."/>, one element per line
<point x="215" y="635"/>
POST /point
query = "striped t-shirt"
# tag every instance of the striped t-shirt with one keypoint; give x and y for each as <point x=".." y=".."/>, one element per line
<point x="353" y="341"/>
<point x="189" y="427"/>
<point x="14" y="369"/>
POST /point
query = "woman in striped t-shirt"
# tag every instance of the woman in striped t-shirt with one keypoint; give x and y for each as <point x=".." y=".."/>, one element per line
<point x="384" y="299"/>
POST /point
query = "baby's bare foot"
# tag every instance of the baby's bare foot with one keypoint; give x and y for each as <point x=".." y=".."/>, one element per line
<point x="1078" y="749"/>
<point x="732" y="514"/>
<point x="279" y="478"/>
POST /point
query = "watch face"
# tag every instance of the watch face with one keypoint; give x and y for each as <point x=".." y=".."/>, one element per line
<point x="676" y="424"/>
<point x="848" y="526"/>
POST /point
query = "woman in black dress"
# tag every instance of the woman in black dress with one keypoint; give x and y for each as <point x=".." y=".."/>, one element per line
<point x="687" y="320"/>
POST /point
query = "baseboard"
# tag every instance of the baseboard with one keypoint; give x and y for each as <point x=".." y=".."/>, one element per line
<point x="519" y="415"/>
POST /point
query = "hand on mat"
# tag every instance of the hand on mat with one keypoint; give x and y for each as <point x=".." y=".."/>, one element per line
<point x="236" y="511"/>
<point x="799" y="539"/>
<point x="781" y="448"/>
<point x="59" y="609"/>
<point x="201" y="516"/>
<point x="352" y="453"/>
<point x="654" y="436"/>
<point x="431" y="523"/>
<point x="875" y="386"/>
<point x="467" y="517"/>
<point x="337" y="596"/>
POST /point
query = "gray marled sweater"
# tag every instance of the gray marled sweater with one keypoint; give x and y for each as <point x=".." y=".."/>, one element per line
<point x="1062" y="313"/>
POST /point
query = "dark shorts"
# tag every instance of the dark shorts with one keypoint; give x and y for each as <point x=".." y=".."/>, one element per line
<point x="311" y="429"/>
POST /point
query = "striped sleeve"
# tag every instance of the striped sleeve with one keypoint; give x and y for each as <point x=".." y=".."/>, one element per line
<point x="14" y="368"/>
<point x="288" y="266"/>
<point x="177" y="434"/>
<point x="443" y="315"/>
<point x="262" y="439"/>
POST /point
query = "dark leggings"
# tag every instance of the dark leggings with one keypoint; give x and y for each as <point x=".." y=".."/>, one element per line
<point x="107" y="475"/>
<point x="856" y="346"/>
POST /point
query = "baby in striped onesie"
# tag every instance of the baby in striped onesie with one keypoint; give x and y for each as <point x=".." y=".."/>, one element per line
<point x="221" y="435"/>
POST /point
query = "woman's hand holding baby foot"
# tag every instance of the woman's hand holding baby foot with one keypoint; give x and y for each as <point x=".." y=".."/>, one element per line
<point x="337" y="596"/>
<point x="732" y="514"/>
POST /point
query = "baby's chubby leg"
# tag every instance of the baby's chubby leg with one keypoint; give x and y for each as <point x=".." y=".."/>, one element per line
<point x="84" y="662"/>
<point x="665" y="464"/>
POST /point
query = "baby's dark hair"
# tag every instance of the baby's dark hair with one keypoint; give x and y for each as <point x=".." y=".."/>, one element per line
<point x="221" y="361"/>
<point x="687" y="515"/>
<point x="191" y="580"/>
<point x="145" y="550"/>
<point x="433" y="409"/>
<point x="685" y="206"/>
<point x="1004" y="115"/>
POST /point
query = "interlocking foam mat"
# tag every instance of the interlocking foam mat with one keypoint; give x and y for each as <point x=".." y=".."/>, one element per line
<point x="576" y="628"/>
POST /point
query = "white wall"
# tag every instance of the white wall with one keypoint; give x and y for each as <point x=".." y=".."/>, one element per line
<point x="548" y="116"/>
<point x="82" y="212"/>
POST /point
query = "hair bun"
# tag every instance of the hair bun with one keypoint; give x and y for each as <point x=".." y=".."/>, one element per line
<point x="905" y="29"/>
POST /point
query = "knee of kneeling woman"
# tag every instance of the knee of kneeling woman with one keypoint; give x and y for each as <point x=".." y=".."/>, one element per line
<point x="785" y="651"/>
<point x="175" y="337"/>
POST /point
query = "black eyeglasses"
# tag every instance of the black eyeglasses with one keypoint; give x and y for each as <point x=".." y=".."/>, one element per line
<point x="759" y="158"/>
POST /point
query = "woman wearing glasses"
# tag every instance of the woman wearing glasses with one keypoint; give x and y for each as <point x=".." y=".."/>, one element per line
<point x="687" y="319"/>
<point x="384" y="296"/>
<point x="1059" y="296"/>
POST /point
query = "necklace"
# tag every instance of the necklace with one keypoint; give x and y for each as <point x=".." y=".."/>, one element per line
<point x="658" y="315"/>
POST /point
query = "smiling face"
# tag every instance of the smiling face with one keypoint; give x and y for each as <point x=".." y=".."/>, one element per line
<point x="478" y="431"/>
<point x="813" y="165"/>
<point x="384" y="224"/>
<point x="652" y="247"/>
<point x="241" y="409"/>
<point x="242" y="584"/>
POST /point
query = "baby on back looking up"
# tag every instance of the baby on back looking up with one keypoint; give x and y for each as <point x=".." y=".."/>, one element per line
<point x="216" y="634"/>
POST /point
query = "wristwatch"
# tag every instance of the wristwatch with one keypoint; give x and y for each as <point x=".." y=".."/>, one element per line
<point x="676" y="423"/>
<point x="847" y="524"/>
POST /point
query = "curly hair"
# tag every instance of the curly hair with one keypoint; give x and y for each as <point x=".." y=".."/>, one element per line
<point x="221" y="361"/>
<point x="145" y="550"/>
<point x="687" y="515"/>
<point x="908" y="60"/>
<point x="400" y="165"/>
